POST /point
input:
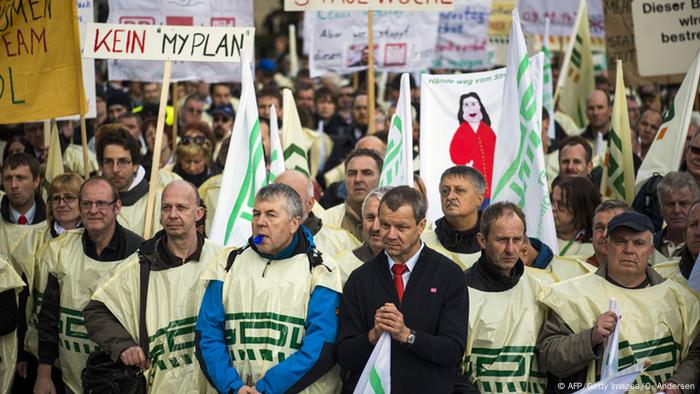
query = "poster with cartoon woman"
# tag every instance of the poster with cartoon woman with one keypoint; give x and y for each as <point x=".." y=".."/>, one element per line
<point x="474" y="141"/>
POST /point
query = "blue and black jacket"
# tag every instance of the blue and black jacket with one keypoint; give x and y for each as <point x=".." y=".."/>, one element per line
<point x="313" y="360"/>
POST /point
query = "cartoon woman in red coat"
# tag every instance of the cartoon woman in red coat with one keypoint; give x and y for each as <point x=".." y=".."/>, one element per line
<point x="474" y="141"/>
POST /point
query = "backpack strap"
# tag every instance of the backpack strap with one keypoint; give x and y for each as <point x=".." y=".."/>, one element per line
<point x="145" y="268"/>
<point x="232" y="257"/>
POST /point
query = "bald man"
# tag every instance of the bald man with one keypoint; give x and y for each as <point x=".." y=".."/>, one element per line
<point x="177" y="257"/>
<point x="598" y="114"/>
<point x="329" y="240"/>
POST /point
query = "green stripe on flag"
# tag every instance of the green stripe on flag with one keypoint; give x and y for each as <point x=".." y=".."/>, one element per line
<point x="375" y="381"/>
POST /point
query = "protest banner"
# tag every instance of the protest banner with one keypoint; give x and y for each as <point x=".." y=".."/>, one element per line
<point x="232" y="13"/>
<point x="561" y="14"/>
<point x="666" y="35"/>
<point x="40" y="67"/>
<point x="398" y="159"/>
<point x="368" y="5"/>
<point x="184" y="43"/>
<point x="403" y="41"/>
<point x="463" y="36"/>
<point x="619" y="44"/>
<point x="442" y="121"/>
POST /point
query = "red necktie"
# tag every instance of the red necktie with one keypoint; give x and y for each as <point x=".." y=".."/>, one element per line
<point x="22" y="219"/>
<point x="398" y="270"/>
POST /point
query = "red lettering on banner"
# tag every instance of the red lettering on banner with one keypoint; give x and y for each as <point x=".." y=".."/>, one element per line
<point x="134" y="40"/>
<point x="223" y="22"/>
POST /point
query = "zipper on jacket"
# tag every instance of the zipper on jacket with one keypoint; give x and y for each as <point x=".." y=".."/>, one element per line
<point x="269" y="261"/>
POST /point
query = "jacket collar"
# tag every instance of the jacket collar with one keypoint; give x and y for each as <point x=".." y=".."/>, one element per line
<point x="653" y="277"/>
<point x="491" y="280"/>
<point x="39" y="213"/>
<point x="130" y="197"/>
<point x="457" y="241"/>
<point x="313" y="223"/>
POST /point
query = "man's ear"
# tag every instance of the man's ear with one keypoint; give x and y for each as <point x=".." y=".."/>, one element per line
<point x="421" y="225"/>
<point x="199" y="213"/>
<point x="481" y="240"/>
<point x="295" y="223"/>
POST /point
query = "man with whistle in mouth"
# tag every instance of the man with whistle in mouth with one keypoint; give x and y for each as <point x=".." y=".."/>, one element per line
<point x="278" y="280"/>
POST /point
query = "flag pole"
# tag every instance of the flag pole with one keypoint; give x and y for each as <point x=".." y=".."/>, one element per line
<point x="83" y="139"/>
<point x="160" y="125"/>
<point x="293" y="57"/>
<point x="370" y="76"/>
<point x="173" y="137"/>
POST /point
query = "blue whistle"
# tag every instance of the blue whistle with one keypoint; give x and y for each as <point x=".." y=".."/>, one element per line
<point x="258" y="239"/>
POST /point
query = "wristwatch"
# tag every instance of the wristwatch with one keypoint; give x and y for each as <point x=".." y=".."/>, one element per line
<point x="411" y="339"/>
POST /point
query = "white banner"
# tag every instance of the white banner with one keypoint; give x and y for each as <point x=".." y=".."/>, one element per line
<point x="463" y="36"/>
<point x="442" y="98"/>
<point x="368" y="5"/>
<point x="403" y="41"/>
<point x="231" y="13"/>
<point x="562" y="15"/>
<point x="185" y="43"/>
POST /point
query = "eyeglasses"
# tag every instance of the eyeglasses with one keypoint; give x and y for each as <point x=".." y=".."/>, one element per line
<point x="121" y="163"/>
<point x="694" y="149"/>
<point x="195" y="111"/>
<point x="188" y="139"/>
<point x="67" y="198"/>
<point x="100" y="204"/>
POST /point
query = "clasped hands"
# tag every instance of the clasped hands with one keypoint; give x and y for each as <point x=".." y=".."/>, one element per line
<point x="388" y="319"/>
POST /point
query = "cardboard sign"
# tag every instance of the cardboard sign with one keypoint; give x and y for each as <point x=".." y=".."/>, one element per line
<point x="40" y="69"/>
<point x="667" y="35"/>
<point x="463" y="36"/>
<point x="186" y="43"/>
<point x="403" y="41"/>
<point x="368" y="5"/>
<point x="229" y="13"/>
<point x="620" y="44"/>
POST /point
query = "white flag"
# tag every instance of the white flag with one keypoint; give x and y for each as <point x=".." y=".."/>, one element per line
<point x="611" y="357"/>
<point x="398" y="159"/>
<point x="244" y="172"/>
<point x="276" y="152"/>
<point x="618" y="383"/>
<point x="519" y="173"/>
<point x="666" y="152"/>
<point x="376" y="377"/>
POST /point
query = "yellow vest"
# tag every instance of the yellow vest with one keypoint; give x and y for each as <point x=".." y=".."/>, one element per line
<point x="174" y="298"/>
<point x="73" y="160"/>
<point x="78" y="276"/>
<point x="38" y="243"/>
<point x="668" y="269"/>
<point x="268" y="327"/>
<point x="209" y="193"/>
<point x="658" y="322"/>
<point x="567" y="248"/>
<point x="331" y="241"/>
<point x="133" y="217"/>
<point x="567" y="267"/>
<point x="503" y="329"/>
<point x="333" y="217"/>
<point x="464" y="260"/>
<point x="347" y="262"/>
<point x="8" y="343"/>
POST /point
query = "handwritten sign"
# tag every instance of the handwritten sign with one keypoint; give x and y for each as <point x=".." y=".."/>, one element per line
<point x="463" y="36"/>
<point x="666" y="35"/>
<point x="404" y="41"/>
<point x="40" y="74"/>
<point x="368" y="5"/>
<point x="86" y="15"/>
<point x="229" y="13"/>
<point x="186" y="43"/>
<point x="561" y="14"/>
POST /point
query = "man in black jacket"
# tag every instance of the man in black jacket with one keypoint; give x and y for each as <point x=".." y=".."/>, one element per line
<point x="411" y="292"/>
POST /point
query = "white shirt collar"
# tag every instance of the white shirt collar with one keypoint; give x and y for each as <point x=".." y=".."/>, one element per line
<point x="14" y="215"/>
<point x="411" y="263"/>
<point x="140" y="174"/>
